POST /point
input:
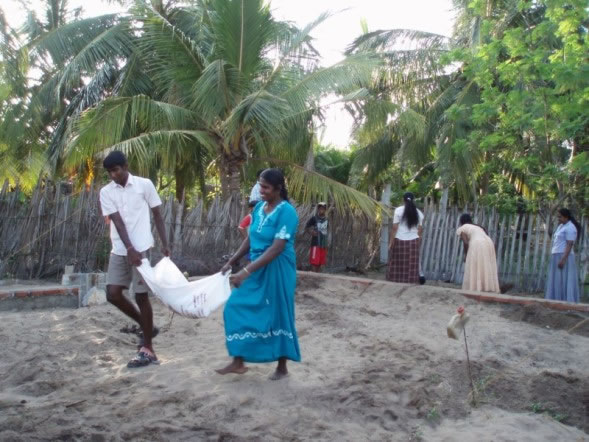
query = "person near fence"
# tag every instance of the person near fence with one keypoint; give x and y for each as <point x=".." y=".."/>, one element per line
<point x="405" y="240"/>
<point x="127" y="200"/>
<point x="244" y="224"/>
<point x="255" y="196"/>
<point x="563" y="279"/>
<point x="317" y="227"/>
<point x="260" y="313"/>
<point x="480" y="268"/>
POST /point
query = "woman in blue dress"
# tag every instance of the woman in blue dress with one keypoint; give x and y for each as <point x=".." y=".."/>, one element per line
<point x="563" y="279"/>
<point x="259" y="316"/>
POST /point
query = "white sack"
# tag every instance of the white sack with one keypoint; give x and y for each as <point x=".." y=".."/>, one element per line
<point x="195" y="299"/>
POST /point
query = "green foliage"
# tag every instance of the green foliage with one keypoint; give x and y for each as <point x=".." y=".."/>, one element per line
<point x="333" y="163"/>
<point x="540" y="408"/>
<point x="504" y="107"/>
<point x="532" y="121"/>
<point x="433" y="415"/>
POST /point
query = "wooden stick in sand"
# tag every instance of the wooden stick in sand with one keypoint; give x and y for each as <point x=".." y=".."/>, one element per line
<point x="458" y="322"/>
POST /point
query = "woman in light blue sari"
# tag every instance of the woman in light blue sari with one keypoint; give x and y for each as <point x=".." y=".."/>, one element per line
<point x="563" y="279"/>
<point x="259" y="316"/>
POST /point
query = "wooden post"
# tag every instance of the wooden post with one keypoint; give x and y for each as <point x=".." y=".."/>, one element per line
<point x="535" y="271"/>
<point x="385" y="226"/>
<point x="428" y="237"/>
<point x="513" y="232"/>
<point x="500" y="246"/>
<point x="525" y="277"/>
<point x="519" y="252"/>
<point x="545" y="244"/>
<point x="443" y="247"/>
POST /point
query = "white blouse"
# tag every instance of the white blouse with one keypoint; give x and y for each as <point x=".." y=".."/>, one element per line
<point x="564" y="232"/>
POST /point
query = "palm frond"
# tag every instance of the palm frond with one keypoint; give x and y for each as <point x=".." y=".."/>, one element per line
<point x="168" y="146"/>
<point x="295" y="46"/>
<point x="65" y="42"/>
<point x="87" y="97"/>
<point x="132" y="79"/>
<point x="214" y="93"/>
<point x="112" y="44"/>
<point x="308" y="187"/>
<point x="242" y="30"/>
<point x="397" y="39"/>
<point x="377" y="156"/>
<point x="261" y="112"/>
<point x="22" y="168"/>
<point x="117" y="119"/>
<point x="348" y="75"/>
<point x="172" y="59"/>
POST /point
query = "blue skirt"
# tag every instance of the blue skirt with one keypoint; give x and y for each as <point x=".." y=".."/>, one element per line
<point x="563" y="284"/>
<point x="260" y="317"/>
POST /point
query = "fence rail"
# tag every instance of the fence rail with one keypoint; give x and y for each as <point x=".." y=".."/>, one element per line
<point x="58" y="227"/>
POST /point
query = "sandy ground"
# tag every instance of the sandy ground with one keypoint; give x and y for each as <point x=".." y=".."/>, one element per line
<point x="377" y="365"/>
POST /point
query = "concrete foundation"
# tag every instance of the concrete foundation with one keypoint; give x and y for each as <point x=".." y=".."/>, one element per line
<point x="38" y="297"/>
<point x="77" y="290"/>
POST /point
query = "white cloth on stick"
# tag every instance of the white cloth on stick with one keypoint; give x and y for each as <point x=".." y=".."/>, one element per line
<point x="195" y="299"/>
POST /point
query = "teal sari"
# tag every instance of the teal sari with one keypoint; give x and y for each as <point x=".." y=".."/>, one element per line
<point x="260" y="316"/>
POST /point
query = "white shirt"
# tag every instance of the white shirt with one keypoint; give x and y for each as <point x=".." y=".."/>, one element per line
<point x="564" y="232"/>
<point x="133" y="203"/>
<point x="255" y="194"/>
<point x="404" y="233"/>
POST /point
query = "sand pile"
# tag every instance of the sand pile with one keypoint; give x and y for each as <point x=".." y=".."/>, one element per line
<point x="376" y="366"/>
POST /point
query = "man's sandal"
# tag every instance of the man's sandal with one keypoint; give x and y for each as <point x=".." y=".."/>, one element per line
<point x="142" y="359"/>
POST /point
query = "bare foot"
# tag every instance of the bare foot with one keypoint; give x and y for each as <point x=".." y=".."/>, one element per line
<point x="236" y="367"/>
<point x="278" y="374"/>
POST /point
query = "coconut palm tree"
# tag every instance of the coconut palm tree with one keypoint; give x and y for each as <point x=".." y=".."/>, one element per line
<point x="228" y="84"/>
<point x="414" y="111"/>
<point x="53" y="79"/>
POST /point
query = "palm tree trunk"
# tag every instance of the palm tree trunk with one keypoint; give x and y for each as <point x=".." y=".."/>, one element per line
<point x="310" y="161"/>
<point x="230" y="175"/>
<point x="230" y="166"/>
<point x="202" y="184"/>
<point x="180" y="186"/>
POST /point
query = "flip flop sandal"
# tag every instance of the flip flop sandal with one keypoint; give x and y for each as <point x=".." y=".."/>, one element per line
<point x="131" y="329"/>
<point x="142" y="359"/>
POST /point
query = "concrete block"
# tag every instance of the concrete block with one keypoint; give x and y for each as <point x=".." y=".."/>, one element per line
<point x="94" y="296"/>
<point x="92" y="286"/>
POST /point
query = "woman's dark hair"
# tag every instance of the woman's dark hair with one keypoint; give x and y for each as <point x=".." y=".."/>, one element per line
<point x="259" y="172"/>
<point x="465" y="218"/>
<point x="276" y="178"/>
<point x="568" y="214"/>
<point x="113" y="159"/>
<point x="410" y="215"/>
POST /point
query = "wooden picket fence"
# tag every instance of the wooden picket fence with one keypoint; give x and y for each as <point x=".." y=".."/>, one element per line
<point x="522" y="245"/>
<point x="56" y="227"/>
